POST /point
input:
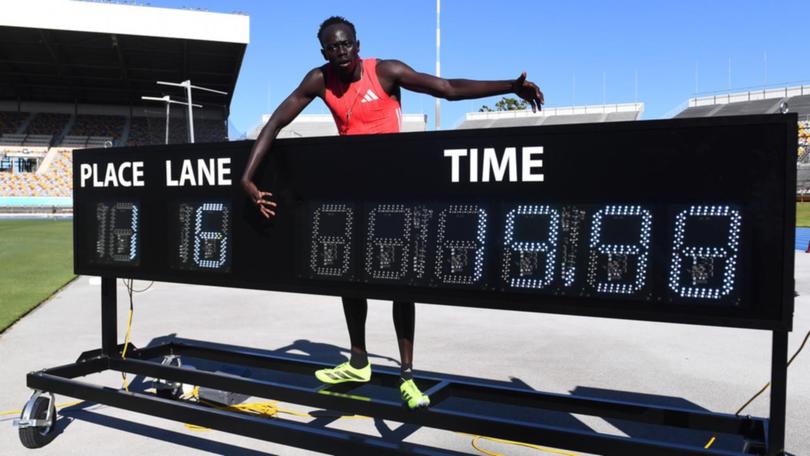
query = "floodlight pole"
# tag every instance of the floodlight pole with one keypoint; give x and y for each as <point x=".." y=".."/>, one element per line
<point x="168" y="100"/>
<point x="438" y="114"/>
<point x="187" y="85"/>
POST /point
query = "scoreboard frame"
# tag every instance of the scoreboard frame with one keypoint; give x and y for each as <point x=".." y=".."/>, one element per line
<point x="745" y="161"/>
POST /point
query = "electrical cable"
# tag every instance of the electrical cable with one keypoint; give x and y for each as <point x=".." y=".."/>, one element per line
<point x="129" y="285"/>
<point x="57" y="406"/>
<point x="762" y="390"/>
<point x="512" y="442"/>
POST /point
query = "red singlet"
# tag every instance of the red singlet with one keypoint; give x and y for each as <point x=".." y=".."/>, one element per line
<point x="363" y="107"/>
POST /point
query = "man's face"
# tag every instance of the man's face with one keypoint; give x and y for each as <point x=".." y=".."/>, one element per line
<point x="340" y="48"/>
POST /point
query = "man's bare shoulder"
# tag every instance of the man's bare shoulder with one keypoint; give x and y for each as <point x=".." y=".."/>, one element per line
<point x="314" y="81"/>
<point x="390" y="66"/>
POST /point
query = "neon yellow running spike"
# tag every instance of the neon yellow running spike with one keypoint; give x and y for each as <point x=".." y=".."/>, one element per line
<point x="344" y="373"/>
<point x="412" y="396"/>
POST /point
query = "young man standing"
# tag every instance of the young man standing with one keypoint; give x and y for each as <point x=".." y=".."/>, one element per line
<point x="364" y="98"/>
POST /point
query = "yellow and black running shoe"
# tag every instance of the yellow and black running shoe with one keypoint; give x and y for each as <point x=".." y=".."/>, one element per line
<point x="344" y="373"/>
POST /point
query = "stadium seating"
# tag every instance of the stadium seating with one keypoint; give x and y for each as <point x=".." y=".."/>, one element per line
<point x="56" y="180"/>
<point x="143" y="130"/>
<point x="47" y="123"/>
<point x="90" y="126"/>
<point x="12" y="139"/>
<point x="87" y="142"/>
<point x="210" y="130"/>
<point x="804" y="141"/>
<point x="152" y="130"/>
<point x="10" y="121"/>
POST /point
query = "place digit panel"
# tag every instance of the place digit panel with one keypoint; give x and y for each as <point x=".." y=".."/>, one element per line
<point x="202" y="235"/>
<point x="117" y="231"/>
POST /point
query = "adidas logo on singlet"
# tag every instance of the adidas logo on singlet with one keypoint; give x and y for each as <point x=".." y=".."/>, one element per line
<point x="369" y="97"/>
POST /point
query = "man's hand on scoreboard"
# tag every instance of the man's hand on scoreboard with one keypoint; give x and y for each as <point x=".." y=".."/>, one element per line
<point x="261" y="200"/>
<point x="528" y="91"/>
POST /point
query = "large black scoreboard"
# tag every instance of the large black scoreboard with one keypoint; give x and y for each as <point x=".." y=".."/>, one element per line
<point x="686" y="220"/>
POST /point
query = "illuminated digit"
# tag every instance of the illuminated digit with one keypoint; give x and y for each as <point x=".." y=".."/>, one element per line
<point x="389" y="239"/>
<point x="619" y="267"/>
<point x="123" y="231"/>
<point x="211" y="247"/>
<point x="707" y="268"/>
<point x="572" y="221"/>
<point x="529" y="263"/>
<point x="331" y="248"/>
<point x="101" y="240"/>
<point x="460" y="244"/>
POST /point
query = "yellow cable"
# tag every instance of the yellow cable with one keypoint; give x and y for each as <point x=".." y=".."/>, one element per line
<point x="129" y="331"/>
<point x="512" y="442"/>
<point x="765" y="387"/>
<point x="58" y="406"/>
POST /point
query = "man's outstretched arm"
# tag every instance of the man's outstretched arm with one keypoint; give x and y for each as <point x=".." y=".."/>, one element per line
<point x="394" y="72"/>
<point x="310" y="87"/>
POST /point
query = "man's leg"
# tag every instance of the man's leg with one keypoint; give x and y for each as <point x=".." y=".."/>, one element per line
<point x="404" y="322"/>
<point x="357" y="369"/>
<point x="355" y="310"/>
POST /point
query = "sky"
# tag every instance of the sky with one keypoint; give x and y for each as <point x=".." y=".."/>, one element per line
<point x="580" y="53"/>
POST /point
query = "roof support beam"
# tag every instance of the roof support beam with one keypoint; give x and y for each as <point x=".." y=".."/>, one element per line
<point x="52" y="51"/>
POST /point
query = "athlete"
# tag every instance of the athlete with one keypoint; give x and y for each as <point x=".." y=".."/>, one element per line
<point x="364" y="98"/>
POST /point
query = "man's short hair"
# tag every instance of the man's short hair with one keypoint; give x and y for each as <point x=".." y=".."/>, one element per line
<point x="333" y="21"/>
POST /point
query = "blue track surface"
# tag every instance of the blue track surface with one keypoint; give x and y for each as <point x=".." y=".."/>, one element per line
<point x="802" y="238"/>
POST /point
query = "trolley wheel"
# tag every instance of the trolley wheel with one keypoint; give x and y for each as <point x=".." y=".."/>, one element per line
<point x="39" y="436"/>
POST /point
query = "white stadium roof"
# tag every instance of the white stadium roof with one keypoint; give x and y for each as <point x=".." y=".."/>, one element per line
<point x="553" y="116"/>
<point x="83" y="16"/>
<point x="80" y="52"/>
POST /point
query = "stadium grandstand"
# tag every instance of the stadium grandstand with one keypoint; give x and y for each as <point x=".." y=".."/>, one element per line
<point x="70" y="81"/>
<point x="553" y="116"/>
<point x="307" y="125"/>
<point x="764" y="101"/>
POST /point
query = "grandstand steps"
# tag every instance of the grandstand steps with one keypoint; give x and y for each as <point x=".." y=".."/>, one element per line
<point x="125" y="131"/>
<point x="46" y="162"/>
<point x="68" y="126"/>
<point x="24" y="124"/>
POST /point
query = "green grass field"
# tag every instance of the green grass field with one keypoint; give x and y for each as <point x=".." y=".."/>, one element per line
<point x="36" y="259"/>
<point x="803" y="214"/>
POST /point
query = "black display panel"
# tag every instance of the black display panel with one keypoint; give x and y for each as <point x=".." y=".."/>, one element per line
<point x="686" y="220"/>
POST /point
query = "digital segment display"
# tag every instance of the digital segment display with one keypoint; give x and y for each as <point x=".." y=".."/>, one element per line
<point x="686" y="220"/>
<point x="117" y="227"/>
<point x="536" y="249"/>
<point x="203" y="241"/>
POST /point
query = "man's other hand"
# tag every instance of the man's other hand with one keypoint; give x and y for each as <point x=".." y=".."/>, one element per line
<point x="528" y="91"/>
<point x="261" y="199"/>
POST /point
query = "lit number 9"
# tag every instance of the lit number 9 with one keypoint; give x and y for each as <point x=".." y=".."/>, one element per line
<point x="460" y="248"/>
<point x="211" y="247"/>
<point x="619" y="249"/>
<point x="530" y="263"/>
<point x="704" y="261"/>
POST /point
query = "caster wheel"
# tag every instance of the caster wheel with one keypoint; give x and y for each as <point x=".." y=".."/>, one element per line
<point x="40" y="435"/>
